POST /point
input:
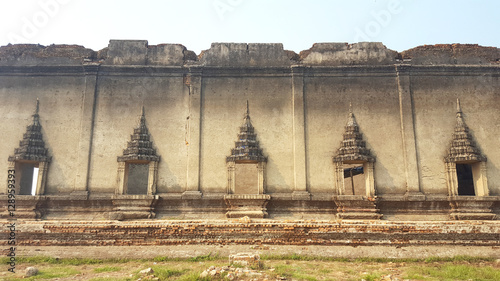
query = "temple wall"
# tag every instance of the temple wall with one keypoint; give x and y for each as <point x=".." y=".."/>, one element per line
<point x="61" y="96"/>
<point x="435" y="95"/>
<point x="223" y="103"/>
<point x="404" y="103"/>
<point x="119" y="102"/>
<point x="375" y="101"/>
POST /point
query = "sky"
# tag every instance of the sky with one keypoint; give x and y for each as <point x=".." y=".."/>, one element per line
<point x="399" y="24"/>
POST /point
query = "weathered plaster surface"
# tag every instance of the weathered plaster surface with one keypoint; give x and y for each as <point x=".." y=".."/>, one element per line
<point x="404" y="103"/>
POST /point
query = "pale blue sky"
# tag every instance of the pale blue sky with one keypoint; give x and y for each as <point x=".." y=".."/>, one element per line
<point x="399" y="24"/>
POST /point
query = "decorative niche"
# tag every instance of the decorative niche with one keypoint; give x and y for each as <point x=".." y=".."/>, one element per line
<point x="354" y="179"/>
<point x="465" y="165"/>
<point x="246" y="168"/>
<point x="31" y="160"/>
<point x="466" y="176"/>
<point x="138" y="166"/>
<point x="354" y="163"/>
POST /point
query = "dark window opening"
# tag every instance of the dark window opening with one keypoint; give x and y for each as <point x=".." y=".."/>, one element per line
<point x="137" y="178"/>
<point x="465" y="180"/>
<point x="29" y="178"/>
<point x="354" y="180"/>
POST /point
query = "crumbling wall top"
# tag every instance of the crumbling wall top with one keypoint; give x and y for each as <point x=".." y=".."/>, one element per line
<point x="452" y="54"/>
<point x="242" y="54"/>
<point x="138" y="52"/>
<point x="364" y="53"/>
<point x="34" y="54"/>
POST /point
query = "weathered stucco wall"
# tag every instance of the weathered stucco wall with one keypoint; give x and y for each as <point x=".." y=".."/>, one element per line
<point x="375" y="101"/>
<point x="222" y="114"/>
<point x="118" y="109"/>
<point x="404" y="103"/>
<point x="435" y="95"/>
<point x="61" y="96"/>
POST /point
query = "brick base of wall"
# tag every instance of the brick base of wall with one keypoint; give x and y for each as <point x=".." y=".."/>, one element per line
<point x="255" y="232"/>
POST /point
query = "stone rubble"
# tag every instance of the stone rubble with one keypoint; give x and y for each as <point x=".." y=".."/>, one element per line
<point x="147" y="271"/>
<point x="237" y="273"/>
<point x="31" y="271"/>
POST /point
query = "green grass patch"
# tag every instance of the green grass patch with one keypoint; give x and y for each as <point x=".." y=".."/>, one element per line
<point x="110" y="279"/>
<point x="283" y="270"/>
<point x="54" y="272"/>
<point x="164" y="273"/>
<point x="372" y="276"/>
<point x="302" y="276"/>
<point x="193" y="276"/>
<point x="455" y="272"/>
<point x="214" y="257"/>
<point x="209" y="257"/>
<point x="167" y="259"/>
<point x="107" y="269"/>
<point x="64" y="261"/>
<point x="296" y="257"/>
<point x="294" y="272"/>
<point x="325" y="271"/>
<point x="459" y="259"/>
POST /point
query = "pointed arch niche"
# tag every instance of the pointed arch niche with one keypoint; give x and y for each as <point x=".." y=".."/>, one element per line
<point x="138" y="166"/>
<point x="31" y="161"/>
<point x="246" y="168"/>
<point x="354" y="180"/>
<point x="465" y="165"/>
<point x="466" y="177"/>
<point x="354" y="163"/>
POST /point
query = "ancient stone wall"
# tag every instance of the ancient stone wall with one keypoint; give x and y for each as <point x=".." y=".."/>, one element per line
<point x="404" y="103"/>
<point x="240" y="232"/>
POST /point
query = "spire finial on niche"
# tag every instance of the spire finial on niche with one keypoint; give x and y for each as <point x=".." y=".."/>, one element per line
<point x="246" y="119"/>
<point x="142" y="120"/>
<point x="247" y="112"/>
<point x="37" y="106"/>
<point x="351" y="120"/>
<point x="460" y="120"/>
<point x="36" y="117"/>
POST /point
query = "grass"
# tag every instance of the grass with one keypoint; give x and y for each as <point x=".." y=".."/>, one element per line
<point x="454" y="272"/>
<point x="164" y="273"/>
<point x="209" y="257"/>
<point x="297" y="272"/>
<point x="296" y="257"/>
<point x="372" y="276"/>
<point x="110" y="279"/>
<point x="65" y="261"/>
<point x="216" y="257"/>
<point x="107" y="269"/>
<point x="193" y="276"/>
<point x="283" y="270"/>
<point x="54" y="272"/>
<point x="296" y="267"/>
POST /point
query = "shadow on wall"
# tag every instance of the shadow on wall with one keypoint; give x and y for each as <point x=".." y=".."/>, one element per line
<point x="388" y="186"/>
<point x="493" y="169"/>
<point x="278" y="181"/>
<point x="166" y="176"/>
